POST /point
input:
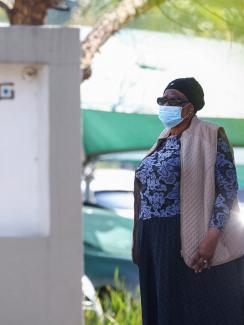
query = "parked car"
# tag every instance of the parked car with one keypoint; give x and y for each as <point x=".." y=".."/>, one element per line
<point x="111" y="189"/>
<point x="107" y="239"/>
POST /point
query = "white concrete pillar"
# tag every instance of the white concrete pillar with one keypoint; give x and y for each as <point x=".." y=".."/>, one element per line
<point x="40" y="223"/>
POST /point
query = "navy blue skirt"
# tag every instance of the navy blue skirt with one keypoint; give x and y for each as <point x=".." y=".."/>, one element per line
<point x="173" y="294"/>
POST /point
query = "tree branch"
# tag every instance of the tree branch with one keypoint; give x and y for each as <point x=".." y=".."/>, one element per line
<point x="110" y="23"/>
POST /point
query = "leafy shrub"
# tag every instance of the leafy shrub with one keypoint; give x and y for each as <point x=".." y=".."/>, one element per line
<point x="120" y="306"/>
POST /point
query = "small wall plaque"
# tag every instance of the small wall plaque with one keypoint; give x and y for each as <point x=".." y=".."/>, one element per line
<point x="7" y="90"/>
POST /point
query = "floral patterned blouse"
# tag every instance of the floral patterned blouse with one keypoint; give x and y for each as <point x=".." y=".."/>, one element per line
<point x="159" y="176"/>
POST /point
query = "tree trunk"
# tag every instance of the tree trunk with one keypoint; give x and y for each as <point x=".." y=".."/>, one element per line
<point x="110" y="23"/>
<point x="28" y="12"/>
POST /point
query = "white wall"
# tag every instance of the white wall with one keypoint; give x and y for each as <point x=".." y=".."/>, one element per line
<point x="134" y="67"/>
<point x="24" y="135"/>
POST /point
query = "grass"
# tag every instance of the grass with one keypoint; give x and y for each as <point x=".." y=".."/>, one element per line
<point x="119" y="305"/>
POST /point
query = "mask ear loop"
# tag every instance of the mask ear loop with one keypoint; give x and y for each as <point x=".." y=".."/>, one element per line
<point x="190" y="113"/>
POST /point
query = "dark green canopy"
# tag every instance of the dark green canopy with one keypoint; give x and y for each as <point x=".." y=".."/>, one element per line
<point x="106" y="132"/>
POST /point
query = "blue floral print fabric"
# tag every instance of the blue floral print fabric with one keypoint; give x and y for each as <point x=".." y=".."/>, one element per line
<point x="159" y="176"/>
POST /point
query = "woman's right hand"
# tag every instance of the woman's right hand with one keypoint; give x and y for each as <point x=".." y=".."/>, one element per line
<point x="206" y="250"/>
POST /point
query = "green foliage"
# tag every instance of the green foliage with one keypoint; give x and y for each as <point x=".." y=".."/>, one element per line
<point x="221" y="19"/>
<point x="3" y="16"/>
<point x="120" y="306"/>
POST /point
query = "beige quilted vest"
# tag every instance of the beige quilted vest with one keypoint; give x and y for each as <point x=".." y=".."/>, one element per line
<point x="198" y="156"/>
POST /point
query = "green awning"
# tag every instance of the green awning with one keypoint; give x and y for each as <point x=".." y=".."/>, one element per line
<point x="107" y="132"/>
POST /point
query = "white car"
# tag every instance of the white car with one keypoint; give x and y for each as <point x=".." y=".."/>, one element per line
<point x="111" y="189"/>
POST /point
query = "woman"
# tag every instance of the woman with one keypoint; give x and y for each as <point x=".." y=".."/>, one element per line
<point x="191" y="270"/>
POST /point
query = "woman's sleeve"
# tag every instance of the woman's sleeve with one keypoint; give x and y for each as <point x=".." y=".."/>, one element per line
<point x="226" y="184"/>
<point x="135" y="239"/>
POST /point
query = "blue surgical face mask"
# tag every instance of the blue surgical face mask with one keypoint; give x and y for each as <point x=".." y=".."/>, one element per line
<point x="170" y="116"/>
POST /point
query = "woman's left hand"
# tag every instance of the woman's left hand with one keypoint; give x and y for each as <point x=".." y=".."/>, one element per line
<point x="206" y="250"/>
